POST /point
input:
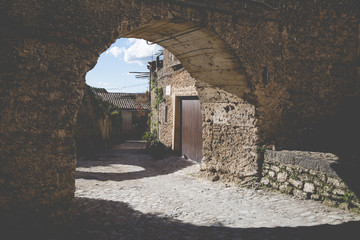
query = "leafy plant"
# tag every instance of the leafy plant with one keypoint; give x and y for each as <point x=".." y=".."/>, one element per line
<point x="150" y="137"/>
<point x="348" y="197"/>
<point x="153" y="80"/>
<point x="159" y="97"/>
<point x="153" y="146"/>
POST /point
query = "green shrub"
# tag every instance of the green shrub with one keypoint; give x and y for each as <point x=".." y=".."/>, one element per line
<point x="154" y="147"/>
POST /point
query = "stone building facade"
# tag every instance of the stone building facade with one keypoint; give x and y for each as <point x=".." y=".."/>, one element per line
<point x="174" y="82"/>
<point x="228" y="122"/>
<point x="132" y="110"/>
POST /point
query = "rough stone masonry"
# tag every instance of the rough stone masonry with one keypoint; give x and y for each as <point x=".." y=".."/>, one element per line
<point x="295" y="64"/>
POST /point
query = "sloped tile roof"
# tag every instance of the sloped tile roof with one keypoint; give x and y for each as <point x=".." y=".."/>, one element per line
<point x="126" y="101"/>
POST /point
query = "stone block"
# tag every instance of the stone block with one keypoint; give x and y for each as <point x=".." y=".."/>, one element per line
<point x="275" y="168"/>
<point x="336" y="198"/>
<point x="272" y="174"/>
<point x="328" y="188"/>
<point x="323" y="177"/>
<point x="318" y="182"/>
<point x="296" y="183"/>
<point x="315" y="197"/>
<point x="325" y="193"/>
<point x="215" y="178"/>
<point x="309" y="188"/>
<point x="338" y="192"/>
<point x="342" y="185"/>
<point x="344" y="205"/>
<point x="275" y="185"/>
<point x="333" y="181"/>
<point x="285" y="188"/>
<point x="300" y="194"/>
<point x="265" y="181"/>
<point x="307" y="160"/>
<point x="330" y="203"/>
<point x="282" y="177"/>
<point x="305" y="177"/>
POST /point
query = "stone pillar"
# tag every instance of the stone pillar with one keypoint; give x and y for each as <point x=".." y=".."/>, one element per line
<point x="40" y="91"/>
<point x="229" y="135"/>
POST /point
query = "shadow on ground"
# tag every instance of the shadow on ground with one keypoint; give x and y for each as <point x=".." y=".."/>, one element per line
<point x="129" y="155"/>
<point x="100" y="219"/>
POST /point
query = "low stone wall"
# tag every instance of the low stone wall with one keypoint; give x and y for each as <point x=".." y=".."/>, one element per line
<point x="307" y="175"/>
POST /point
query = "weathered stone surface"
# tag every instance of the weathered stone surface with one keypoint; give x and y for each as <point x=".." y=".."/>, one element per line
<point x="272" y="174"/>
<point x="229" y="132"/>
<point x="338" y="191"/>
<point x="296" y="183"/>
<point x="300" y="194"/>
<point x="334" y="182"/>
<point x="234" y="121"/>
<point x="265" y="181"/>
<point x="309" y="187"/>
<point x="304" y="177"/>
<point x="308" y="184"/>
<point x="293" y="73"/>
<point x="308" y="160"/>
<point x="285" y="188"/>
<point x="315" y="197"/>
<point x="326" y="194"/>
<point x="181" y="84"/>
<point x="282" y="176"/>
<point x="275" y="185"/>
<point x="275" y="168"/>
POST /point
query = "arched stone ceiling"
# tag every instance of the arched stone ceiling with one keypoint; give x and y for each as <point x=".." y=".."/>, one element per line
<point x="204" y="55"/>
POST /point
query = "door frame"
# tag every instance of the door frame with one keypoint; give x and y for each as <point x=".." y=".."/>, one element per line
<point x="178" y="121"/>
<point x="177" y="118"/>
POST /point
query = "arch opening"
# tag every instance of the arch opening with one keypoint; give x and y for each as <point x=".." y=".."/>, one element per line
<point x="49" y="47"/>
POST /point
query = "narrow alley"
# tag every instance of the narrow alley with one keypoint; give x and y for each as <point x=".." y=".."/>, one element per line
<point x="126" y="194"/>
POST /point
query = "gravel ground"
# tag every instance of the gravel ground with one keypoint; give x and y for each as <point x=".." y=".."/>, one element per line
<point x="126" y="194"/>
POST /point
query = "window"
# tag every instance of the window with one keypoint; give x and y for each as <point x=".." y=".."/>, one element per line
<point x="166" y="114"/>
<point x="265" y="75"/>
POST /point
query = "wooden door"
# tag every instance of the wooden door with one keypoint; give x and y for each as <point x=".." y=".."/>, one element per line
<point x="191" y="129"/>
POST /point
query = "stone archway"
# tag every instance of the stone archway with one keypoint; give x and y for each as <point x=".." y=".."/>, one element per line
<point x="48" y="46"/>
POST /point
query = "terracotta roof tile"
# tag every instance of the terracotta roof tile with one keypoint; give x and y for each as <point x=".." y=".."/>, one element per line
<point x="124" y="100"/>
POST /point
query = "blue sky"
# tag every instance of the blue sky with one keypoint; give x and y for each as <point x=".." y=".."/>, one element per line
<point x="125" y="55"/>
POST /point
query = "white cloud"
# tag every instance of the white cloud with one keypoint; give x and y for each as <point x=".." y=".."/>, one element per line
<point x="139" y="52"/>
<point x="115" y="51"/>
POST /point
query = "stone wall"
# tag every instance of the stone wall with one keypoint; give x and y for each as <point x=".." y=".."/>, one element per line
<point x="229" y="123"/>
<point x="308" y="175"/>
<point x="295" y="62"/>
<point x="182" y="84"/>
<point x="229" y="134"/>
<point x="93" y="125"/>
<point x="300" y="60"/>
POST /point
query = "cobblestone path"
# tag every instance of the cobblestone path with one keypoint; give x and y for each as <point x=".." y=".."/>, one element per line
<point x="125" y="194"/>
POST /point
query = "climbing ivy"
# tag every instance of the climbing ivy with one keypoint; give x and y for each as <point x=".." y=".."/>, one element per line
<point x="153" y="80"/>
<point x="158" y="98"/>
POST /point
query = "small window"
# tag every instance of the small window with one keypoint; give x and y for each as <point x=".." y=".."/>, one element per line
<point x="166" y="113"/>
<point x="265" y="75"/>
